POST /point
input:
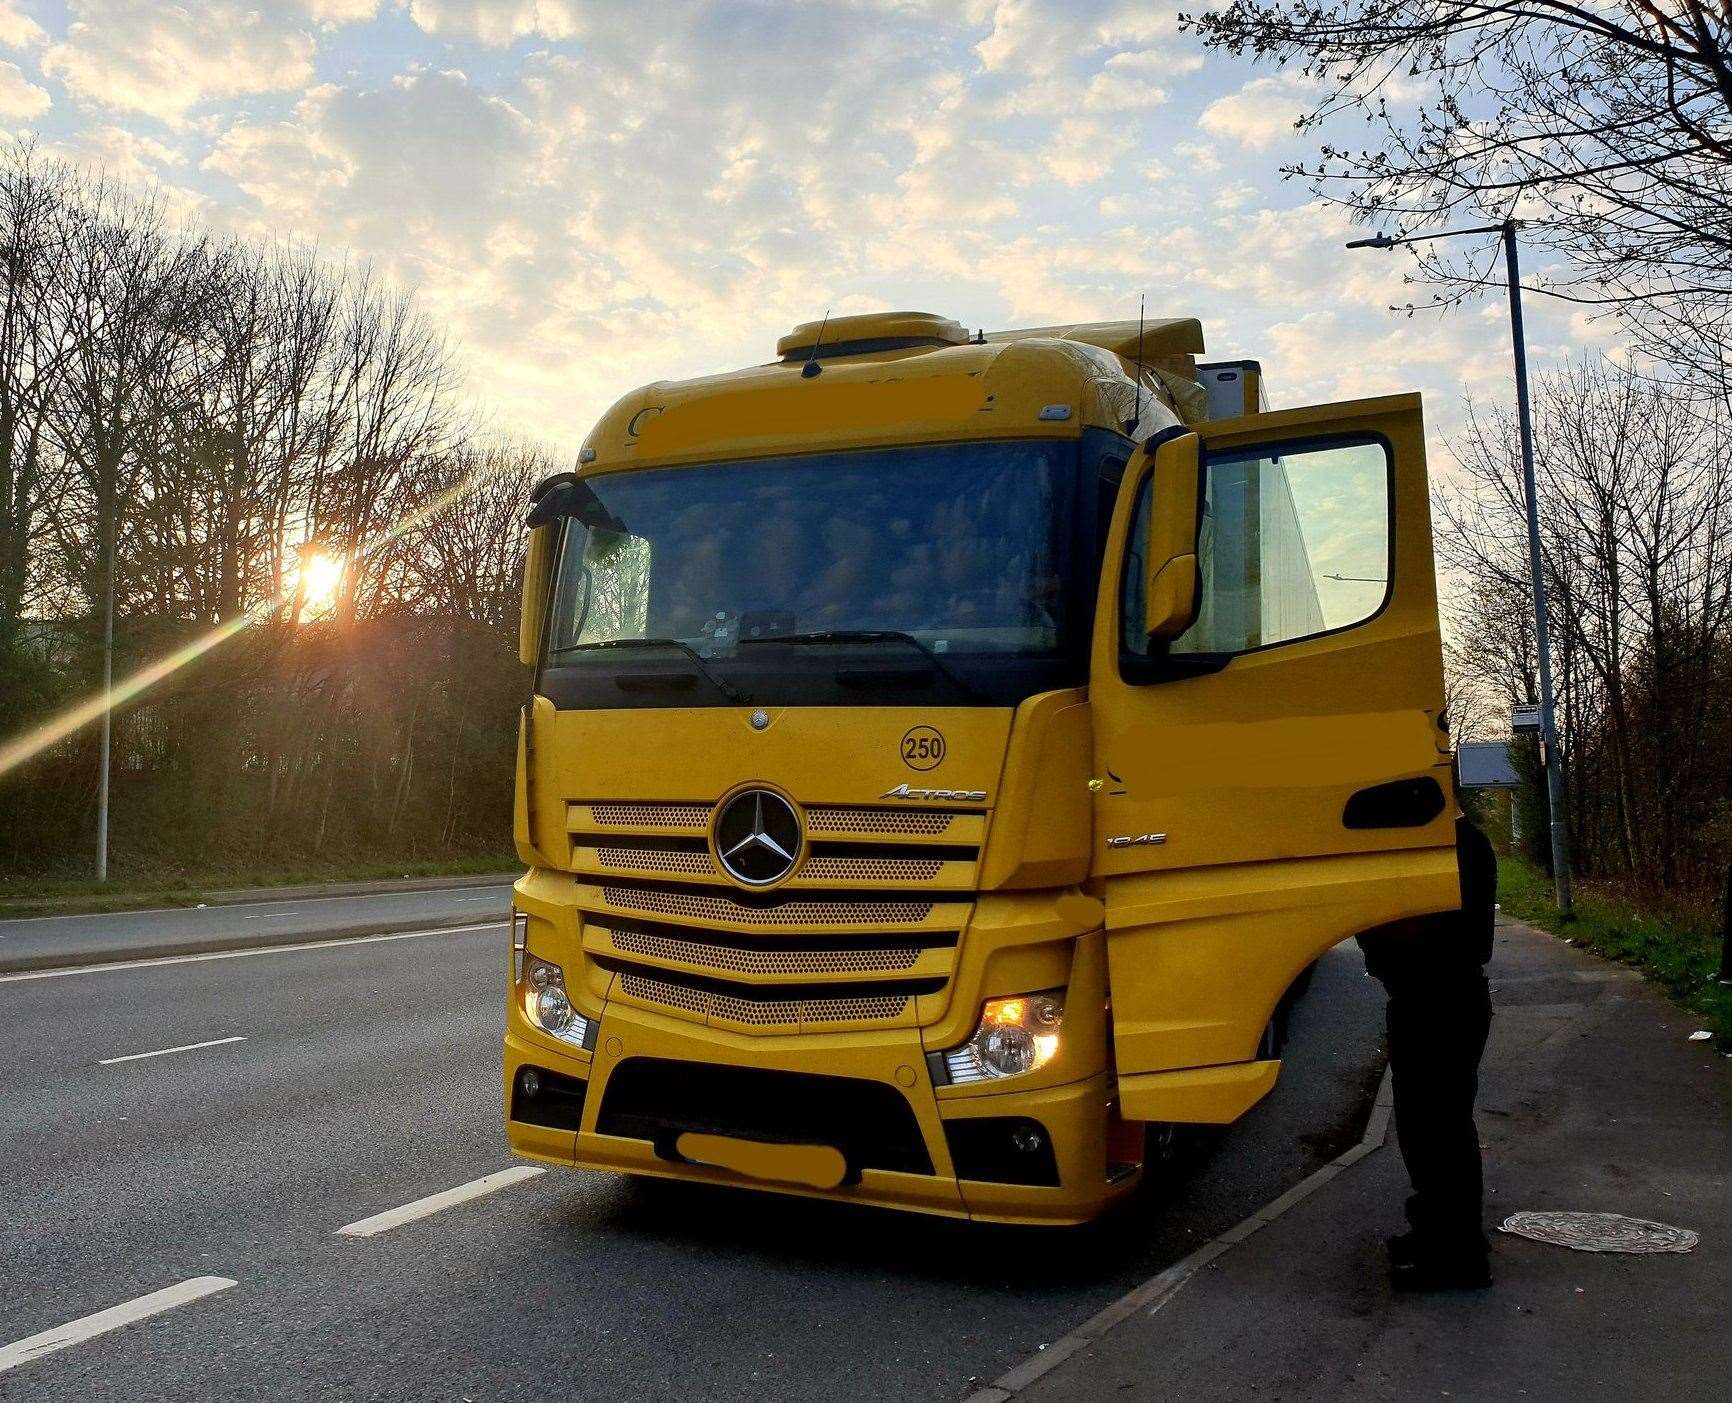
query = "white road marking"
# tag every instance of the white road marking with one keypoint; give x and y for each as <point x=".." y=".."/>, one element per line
<point x="164" y="1051"/>
<point x="76" y="1331"/>
<point x="239" y="954"/>
<point x="270" y="915"/>
<point x="439" y="1202"/>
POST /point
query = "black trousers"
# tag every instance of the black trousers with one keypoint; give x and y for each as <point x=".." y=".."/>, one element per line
<point x="1438" y="1022"/>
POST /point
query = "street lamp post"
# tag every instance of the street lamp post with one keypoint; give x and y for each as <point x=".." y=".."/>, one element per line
<point x="107" y="712"/>
<point x="1560" y="832"/>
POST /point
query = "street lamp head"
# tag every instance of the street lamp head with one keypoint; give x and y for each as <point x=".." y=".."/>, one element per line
<point x="1375" y="241"/>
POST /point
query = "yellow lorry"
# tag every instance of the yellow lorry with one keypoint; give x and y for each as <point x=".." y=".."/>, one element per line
<point x="945" y="753"/>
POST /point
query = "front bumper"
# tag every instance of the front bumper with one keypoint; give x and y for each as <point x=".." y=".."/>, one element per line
<point x="882" y="1066"/>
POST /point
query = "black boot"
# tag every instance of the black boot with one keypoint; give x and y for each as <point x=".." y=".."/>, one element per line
<point x="1423" y="1264"/>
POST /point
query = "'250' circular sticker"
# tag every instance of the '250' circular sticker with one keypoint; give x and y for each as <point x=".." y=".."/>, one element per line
<point x="922" y="748"/>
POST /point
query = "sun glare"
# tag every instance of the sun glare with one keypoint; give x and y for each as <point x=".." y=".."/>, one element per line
<point x="321" y="575"/>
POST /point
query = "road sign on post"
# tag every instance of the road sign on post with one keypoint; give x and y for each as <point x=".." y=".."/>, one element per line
<point x="1524" y="719"/>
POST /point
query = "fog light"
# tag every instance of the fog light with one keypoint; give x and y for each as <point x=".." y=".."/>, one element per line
<point x="548" y="1006"/>
<point x="1026" y="1139"/>
<point x="1016" y="1035"/>
<point x="530" y="1081"/>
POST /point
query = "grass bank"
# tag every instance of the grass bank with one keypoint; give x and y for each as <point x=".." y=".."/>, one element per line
<point x="1679" y="953"/>
<point x="40" y="896"/>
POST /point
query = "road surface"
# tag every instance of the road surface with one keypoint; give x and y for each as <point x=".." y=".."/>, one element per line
<point x="44" y="942"/>
<point x="315" y="1089"/>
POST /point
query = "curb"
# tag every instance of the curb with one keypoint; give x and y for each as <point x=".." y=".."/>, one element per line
<point x="224" y="944"/>
<point x="1161" y="1288"/>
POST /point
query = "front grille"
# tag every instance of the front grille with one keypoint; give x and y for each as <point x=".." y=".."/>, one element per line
<point x="835" y="818"/>
<point x="872" y="869"/>
<point x="792" y="911"/>
<point x="774" y="1007"/>
<point x="870" y="919"/>
<point x="841" y="868"/>
<point x="766" y="959"/>
<point x="657" y="860"/>
<point x="657" y="1099"/>
<point x="651" y="815"/>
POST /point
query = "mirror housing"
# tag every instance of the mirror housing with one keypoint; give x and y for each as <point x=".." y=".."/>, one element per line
<point x="1171" y="582"/>
<point x="537" y="576"/>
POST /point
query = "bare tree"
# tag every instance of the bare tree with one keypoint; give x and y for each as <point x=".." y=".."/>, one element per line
<point x="1607" y="126"/>
<point x="1636" y="509"/>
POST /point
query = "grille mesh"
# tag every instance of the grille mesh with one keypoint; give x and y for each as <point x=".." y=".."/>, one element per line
<point x="651" y="815"/>
<point x="764" y="1012"/>
<point x="657" y="860"/>
<point x="738" y="959"/>
<point x="872" y="869"/>
<point x="699" y="907"/>
<point x="835" y="818"/>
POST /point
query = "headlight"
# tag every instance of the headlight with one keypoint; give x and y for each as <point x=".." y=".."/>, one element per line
<point x="1016" y="1035"/>
<point x="548" y="1006"/>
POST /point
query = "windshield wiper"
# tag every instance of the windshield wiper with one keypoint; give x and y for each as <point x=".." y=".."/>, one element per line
<point x="876" y="635"/>
<point x="720" y="684"/>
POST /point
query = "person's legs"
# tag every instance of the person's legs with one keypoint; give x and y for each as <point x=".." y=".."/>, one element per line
<point x="1437" y="1032"/>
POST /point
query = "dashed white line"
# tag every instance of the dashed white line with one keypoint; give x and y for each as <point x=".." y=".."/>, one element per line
<point x="241" y="954"/>
<point x="164" y="1051"/>
<point x="439" y="1202"/>
<point x="270" y="915"/>
<point x="76" y="1331"/>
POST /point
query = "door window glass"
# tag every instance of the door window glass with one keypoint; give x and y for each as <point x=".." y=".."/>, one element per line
<point x="1294" y="543"/>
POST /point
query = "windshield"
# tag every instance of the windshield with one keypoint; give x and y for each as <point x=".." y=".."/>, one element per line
<point x="939" y="574"/>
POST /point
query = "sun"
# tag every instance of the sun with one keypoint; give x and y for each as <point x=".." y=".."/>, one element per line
<point x="321" y="576"/>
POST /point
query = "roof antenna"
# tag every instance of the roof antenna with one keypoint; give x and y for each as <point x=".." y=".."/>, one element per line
<point x="1136" y="418"/>
<point x="811" y="367"/>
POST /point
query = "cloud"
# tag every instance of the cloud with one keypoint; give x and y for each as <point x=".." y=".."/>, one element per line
<point x="497" y="22"/>
<point x="20" y="99"/>
<point x="1260" y="113"/>
<point x="421" y="162"/>
<point x="1198" y="155"/>
<point x="1084" y="151"/>
<point x="162" y="60"/>
<point x="18" y="30"/>
<point x="127" y="154"/>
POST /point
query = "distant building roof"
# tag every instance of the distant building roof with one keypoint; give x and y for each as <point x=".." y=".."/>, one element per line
<point x="1486" y="765"/>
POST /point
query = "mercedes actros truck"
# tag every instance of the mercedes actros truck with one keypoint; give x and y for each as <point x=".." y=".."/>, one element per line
<point x="945" y="753"/>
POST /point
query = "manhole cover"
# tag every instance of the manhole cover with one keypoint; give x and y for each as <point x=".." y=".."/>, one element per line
<point x="1600" y="1232"/>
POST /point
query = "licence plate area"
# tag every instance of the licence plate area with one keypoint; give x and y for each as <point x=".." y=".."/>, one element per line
<point x="810" y="1166"/>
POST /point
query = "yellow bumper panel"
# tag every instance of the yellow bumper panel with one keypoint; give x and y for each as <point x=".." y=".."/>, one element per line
<point x="1198" y="1095"/>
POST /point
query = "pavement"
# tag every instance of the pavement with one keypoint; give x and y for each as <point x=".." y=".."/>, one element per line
<point x="1592" y="1098"/>
<point x="286" y="1169"/>
<point x="246" y="919"/>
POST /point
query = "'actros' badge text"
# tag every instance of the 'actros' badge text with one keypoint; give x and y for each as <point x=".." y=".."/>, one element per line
<point x="966" y="796"/>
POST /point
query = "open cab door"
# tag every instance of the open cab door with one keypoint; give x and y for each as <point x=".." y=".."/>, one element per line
<point x="1272" y="761"/>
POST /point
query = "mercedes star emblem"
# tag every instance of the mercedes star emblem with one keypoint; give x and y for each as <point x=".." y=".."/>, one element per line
<point x="757" y="837"/>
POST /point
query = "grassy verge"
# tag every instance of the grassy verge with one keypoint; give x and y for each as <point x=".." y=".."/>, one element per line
<point x="55" y="896"/>
<point x="1681" y="955"/>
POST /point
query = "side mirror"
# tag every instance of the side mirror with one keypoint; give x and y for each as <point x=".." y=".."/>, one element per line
<point x="537" y="575"/>
<point x="566" y="494"/>
<point x="1170" y="580"/>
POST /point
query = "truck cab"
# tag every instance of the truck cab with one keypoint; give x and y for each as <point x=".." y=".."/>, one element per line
<point x="946" y="751"/>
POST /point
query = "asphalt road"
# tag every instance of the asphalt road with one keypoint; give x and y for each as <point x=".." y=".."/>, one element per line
<point x="367" y="1077"/>
<point x="45" y="942"/>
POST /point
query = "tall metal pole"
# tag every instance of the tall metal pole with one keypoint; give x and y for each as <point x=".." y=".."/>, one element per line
<point x="107" y="712"/>
<point x="1536" y="564"/>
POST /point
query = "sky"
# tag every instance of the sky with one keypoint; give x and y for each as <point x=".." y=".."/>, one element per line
<point x="594" y="195"/>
